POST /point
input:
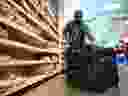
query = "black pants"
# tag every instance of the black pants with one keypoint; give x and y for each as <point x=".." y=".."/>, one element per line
<point x="67" y="55"/>
<point x="116" y="78"/>
<point x="87" y="56"/>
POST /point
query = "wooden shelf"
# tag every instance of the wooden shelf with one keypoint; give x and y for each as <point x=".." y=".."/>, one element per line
<point x="24" y="62"/>
<point x="28" y="82"/>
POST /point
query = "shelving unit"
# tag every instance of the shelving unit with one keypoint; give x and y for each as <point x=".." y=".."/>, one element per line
<point x="25" y="38"/>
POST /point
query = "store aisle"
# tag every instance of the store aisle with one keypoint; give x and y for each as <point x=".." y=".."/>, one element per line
<point x="58" y="87"/>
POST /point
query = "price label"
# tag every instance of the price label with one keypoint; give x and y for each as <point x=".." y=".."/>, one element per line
<point x="120" y="59"/>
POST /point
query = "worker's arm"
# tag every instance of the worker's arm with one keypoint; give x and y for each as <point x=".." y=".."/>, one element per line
<point x="90" y="37"/>
<point x="67" y="31"/>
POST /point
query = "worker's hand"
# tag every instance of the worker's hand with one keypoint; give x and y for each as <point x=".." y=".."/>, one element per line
<point x="66" y="44"/>
<point x="90" y="42"/>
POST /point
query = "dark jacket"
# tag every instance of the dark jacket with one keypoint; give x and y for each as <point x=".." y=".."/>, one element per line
<point x="76" y="32"/>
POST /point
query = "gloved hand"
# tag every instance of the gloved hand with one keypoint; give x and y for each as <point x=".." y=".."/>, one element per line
<point x="66" y="44"/>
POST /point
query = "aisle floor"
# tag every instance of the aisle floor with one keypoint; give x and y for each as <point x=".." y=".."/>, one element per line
<point x="57" y="87"/>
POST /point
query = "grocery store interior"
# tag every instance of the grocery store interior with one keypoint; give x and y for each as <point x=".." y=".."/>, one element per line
<point x="29" y="52"/>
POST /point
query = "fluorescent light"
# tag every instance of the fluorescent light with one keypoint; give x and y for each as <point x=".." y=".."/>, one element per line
<point x="115" y="6"/>
<point x="107" y="7"/>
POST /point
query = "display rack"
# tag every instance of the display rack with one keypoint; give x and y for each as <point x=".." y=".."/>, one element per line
<point x="28" y="82"/>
